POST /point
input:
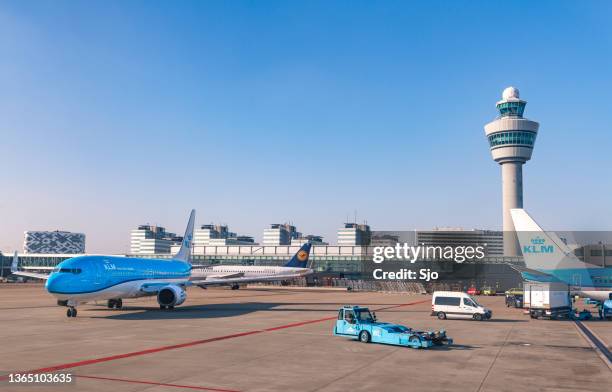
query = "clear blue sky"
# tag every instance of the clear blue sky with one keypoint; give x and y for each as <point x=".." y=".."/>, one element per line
<point x="117" y="113"/>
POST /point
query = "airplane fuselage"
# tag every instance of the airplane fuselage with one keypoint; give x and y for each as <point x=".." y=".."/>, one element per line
<point x="88" y="278"/>
<point x="594" y="283"/>
<point x="246" y="270"/>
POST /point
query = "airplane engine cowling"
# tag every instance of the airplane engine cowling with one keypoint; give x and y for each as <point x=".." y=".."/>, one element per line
<point x="171" y="296"/>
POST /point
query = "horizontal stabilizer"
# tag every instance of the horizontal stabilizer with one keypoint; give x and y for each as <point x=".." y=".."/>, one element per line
<point x="533" y="275"/>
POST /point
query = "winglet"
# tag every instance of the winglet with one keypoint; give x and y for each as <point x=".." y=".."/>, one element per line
<point x="300" y="259"/>
<point x="185" y="252"/>
<point x="15" y="263"/>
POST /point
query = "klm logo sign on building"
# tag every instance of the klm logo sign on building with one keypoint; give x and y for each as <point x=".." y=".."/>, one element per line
<point x="538" y="246"/>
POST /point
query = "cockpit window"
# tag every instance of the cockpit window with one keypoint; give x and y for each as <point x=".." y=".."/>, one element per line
<point x="68" y="270"/>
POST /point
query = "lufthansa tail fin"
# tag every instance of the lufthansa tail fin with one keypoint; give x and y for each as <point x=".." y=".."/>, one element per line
<point x="542" y="250"/>
<point x="185" y="252"/>
<point x="300" y="259"/>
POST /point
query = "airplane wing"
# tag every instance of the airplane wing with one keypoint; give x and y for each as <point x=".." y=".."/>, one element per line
<point x="154" y="287"/>
<point x="39" y="268"/>
<point x="206" y="275"/>
<point x="15" y="270"/>
<point x="241" y="280"/>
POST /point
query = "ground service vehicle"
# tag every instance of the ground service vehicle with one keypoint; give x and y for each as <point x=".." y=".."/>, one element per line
<point x="547" y="299"/>
<point x="473" y="291"/>
<point x="515" y="301"/>
<point x="488" y="291"/>
<point x="514" y="291"/>
<point x="455" y="304"/>
<point x="358" y="322"/>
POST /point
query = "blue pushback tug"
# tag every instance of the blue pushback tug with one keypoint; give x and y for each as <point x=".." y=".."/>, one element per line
<point x="357" y="321"/>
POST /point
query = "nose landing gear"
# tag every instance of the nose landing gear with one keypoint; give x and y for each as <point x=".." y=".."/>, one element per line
<point x="71" y="312"/>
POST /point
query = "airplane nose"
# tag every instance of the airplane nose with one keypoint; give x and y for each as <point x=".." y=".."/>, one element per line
<point x="51" y="283"/>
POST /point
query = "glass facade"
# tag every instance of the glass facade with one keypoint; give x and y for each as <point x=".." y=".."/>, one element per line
<point x="525" y="138"/>
<point x="511" y="108"/>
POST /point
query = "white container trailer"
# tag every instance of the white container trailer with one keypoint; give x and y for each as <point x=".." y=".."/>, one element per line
<point x="547" y="299"/>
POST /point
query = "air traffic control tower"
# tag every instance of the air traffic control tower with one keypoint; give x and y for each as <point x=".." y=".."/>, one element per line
<point x="511" y="139"/>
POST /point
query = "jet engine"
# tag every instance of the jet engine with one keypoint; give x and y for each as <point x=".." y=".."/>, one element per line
<point x="171" y="296"/>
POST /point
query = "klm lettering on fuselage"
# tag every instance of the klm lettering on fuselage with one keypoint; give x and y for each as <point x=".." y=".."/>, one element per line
<point x="538" y="246"/>
<point x="109" y="266"/>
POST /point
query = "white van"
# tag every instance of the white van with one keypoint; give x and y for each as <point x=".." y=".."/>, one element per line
<point x="453" y="304"/>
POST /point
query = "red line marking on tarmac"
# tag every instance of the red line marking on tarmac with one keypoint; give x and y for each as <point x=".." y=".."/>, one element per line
<point x="134" y="354"/>
<point x="71" y="365"/>
<point x="162" y="384"/>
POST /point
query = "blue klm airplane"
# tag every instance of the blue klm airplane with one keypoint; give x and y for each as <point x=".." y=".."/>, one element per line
<point x="549" y="259"/>
<point x="88" y="278"/>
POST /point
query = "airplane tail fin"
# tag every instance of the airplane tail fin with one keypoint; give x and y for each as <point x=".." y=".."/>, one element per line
<point x="300" y="259"/>
<point x="542" y="250"/>
<point x="15" y="263"/>
<point x="184" y="252"/>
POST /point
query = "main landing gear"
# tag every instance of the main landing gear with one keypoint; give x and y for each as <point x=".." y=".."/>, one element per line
<point x="115" y="303"/>
<point x="235" y="287"/>
<point x="71" y="312"/>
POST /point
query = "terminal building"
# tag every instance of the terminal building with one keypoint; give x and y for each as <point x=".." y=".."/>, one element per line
<point x="280" y="234"/>
<point x="493" y="241"/>
<point x="219" y="235"/>
<point x="596" y="254"/>
<point x="53" y="242"/>
<point x="353" y="234"/>
<point x="151" y="240"/>
<point x="216" y="244"/>
<point x="311" y="238"/>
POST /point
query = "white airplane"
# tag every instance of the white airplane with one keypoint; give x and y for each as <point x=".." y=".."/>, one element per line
<point x="89" y="278"/>
<point x="296" y="265"/>
<point x="548" y="259"/>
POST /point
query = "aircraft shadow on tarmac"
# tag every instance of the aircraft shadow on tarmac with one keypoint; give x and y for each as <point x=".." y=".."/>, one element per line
<point x="195" y="311"/>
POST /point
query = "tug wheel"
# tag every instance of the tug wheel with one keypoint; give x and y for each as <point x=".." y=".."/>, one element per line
<point x="415" y="340"/>
<point x="364" y="336"/>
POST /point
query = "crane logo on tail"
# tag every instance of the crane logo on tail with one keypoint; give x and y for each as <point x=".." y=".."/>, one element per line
<point x="302" y="255"/>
